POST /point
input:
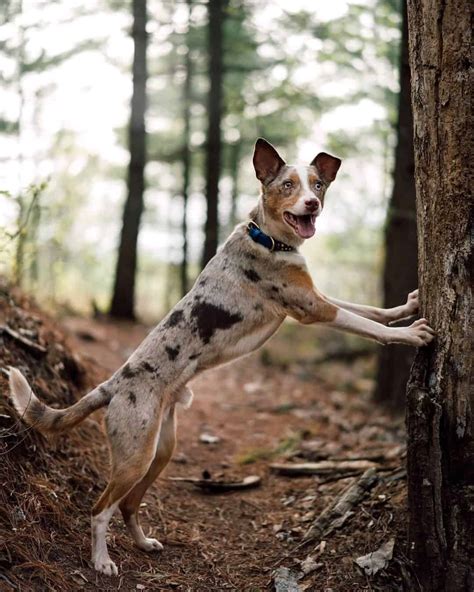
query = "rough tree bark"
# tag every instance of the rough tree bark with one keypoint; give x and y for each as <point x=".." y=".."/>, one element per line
<point x="400" y="271"/>
<point x="214" y="144"/>
<point x="440" y="390"/>
<point x="123" y="297"/>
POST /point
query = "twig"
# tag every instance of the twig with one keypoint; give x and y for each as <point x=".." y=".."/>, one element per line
<point x="323" y="467"/>
<point x="23" y="340"/>
<point x="340" y="509"/>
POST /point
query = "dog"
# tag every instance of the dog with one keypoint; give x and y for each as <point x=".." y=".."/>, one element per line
<point x="256" y="279"/>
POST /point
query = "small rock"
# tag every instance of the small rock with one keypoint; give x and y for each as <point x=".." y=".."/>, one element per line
<point x="252" y="387"/>
<point x="206" y="438"/>
<point x="181" y="458"/>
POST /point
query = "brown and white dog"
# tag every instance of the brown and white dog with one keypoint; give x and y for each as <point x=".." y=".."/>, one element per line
<point x="257" y="278"/>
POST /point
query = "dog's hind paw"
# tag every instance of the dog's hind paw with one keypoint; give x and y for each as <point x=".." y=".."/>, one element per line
<point x="106" y="566"/>
<point x="150" y="545"/>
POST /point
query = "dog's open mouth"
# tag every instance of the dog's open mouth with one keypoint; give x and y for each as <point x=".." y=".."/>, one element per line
<point x="304" y="226"/>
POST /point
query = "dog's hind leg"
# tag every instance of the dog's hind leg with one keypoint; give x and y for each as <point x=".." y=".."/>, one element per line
<point x="131" y="461"/>
<point x="131" y="503"/>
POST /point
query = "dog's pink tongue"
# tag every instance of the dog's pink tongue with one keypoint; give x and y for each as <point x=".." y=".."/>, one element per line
<point x="306" y="227"/>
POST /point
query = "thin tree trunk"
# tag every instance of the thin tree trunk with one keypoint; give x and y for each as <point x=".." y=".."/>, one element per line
<point x="214" y="144"/>
<point x="440" y="390"/>
<point x="400" y="272"/>
<point x="234" y="167"/>
<point x="123" y="298"/>
<point x="22" y="206"/>
<point x="186" y="158"/>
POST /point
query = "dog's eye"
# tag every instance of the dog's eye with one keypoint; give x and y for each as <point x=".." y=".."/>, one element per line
<point x="318" y="186"/>
<point x="288" y="184"/>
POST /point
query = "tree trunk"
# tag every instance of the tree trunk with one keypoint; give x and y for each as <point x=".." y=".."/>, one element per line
<point x="235" y="150"/>
<point x="400" y="272"/>
<point x="123" y="299"/>
<point x="439" y="410"/>
<point x="213" y="145"/>
<point x="186" y="158"/>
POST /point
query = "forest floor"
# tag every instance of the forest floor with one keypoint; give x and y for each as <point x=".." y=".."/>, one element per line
<point x="276" y="405"/>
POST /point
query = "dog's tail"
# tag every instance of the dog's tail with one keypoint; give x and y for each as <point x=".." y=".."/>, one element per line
<point x="46" y="419"/>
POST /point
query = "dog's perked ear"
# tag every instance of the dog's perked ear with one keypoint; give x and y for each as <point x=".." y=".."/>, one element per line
<point x="327" y="166"/>
<point x="266" y="161"/>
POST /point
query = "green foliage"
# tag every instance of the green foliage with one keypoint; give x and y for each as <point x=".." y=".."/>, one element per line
<point x="272" y="88"/>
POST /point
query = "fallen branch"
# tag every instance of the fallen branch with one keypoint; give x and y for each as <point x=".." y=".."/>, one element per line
<point x="214" y="485"/>
<point x="23" y="340"/>
<point x="336" y="514"/>
<point x="393" y="453"/>
<point x="324" y="467"/>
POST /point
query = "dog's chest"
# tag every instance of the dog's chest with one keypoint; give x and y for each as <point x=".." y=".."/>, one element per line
<point x="250" y="341"/>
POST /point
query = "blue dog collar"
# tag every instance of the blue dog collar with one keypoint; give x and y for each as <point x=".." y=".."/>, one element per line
<point x="266" y="240"/>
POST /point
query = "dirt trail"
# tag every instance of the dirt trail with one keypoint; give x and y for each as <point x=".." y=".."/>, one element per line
<point x="235" y="540"/>
<point x="276" y="405"/>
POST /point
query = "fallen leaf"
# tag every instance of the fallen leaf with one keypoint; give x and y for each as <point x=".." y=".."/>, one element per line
<point x="286" y="580"/>
<point x="374" y="562"/>
<point x="309" y="565"/>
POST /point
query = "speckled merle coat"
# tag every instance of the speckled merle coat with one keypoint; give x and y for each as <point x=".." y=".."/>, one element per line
<point x="237" y="303"/>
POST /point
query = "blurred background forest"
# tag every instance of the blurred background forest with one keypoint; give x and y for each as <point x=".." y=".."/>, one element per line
<point x="127" y="131"/>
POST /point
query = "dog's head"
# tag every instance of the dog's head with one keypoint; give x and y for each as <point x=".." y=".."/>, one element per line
<point x="292" y="196"/>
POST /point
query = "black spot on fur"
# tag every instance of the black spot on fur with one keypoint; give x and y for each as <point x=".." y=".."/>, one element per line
<point x="285" y="285"/>
<point x="275" y="289"/>
<point x="252" y="275"/>
<point x="258" y="307"/>
<point x="194" y="356"/>
<point x="104" y="393"/>
<point x="128" y="371"/>
<point x="113" y="432"/>
<point x="251" y="256"/>
<point x="143" y="423"/>
<point x="132" y="397"/>
<point x="147" y="367"/>
<point x="210" y="317"/>
<point x="175" y="318"/>
<point x="172" y="352"/>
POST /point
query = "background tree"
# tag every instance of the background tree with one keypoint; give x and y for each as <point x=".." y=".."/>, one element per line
<point x="216" y="10"/>
<point x="439" y="413"/>
<point x="186" y="156"/>
<point x="123" y="297"/>
<point x="400" y="274"/>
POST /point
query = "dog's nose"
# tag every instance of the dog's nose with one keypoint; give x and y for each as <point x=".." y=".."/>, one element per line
<point x="311" y="204"/>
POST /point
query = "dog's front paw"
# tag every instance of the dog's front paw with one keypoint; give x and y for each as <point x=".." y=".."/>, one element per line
<point x="420" y="333"/>
<point x="106" y="566"/>
<point x="150" y="545"/>
<point x="412" y="305"/>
